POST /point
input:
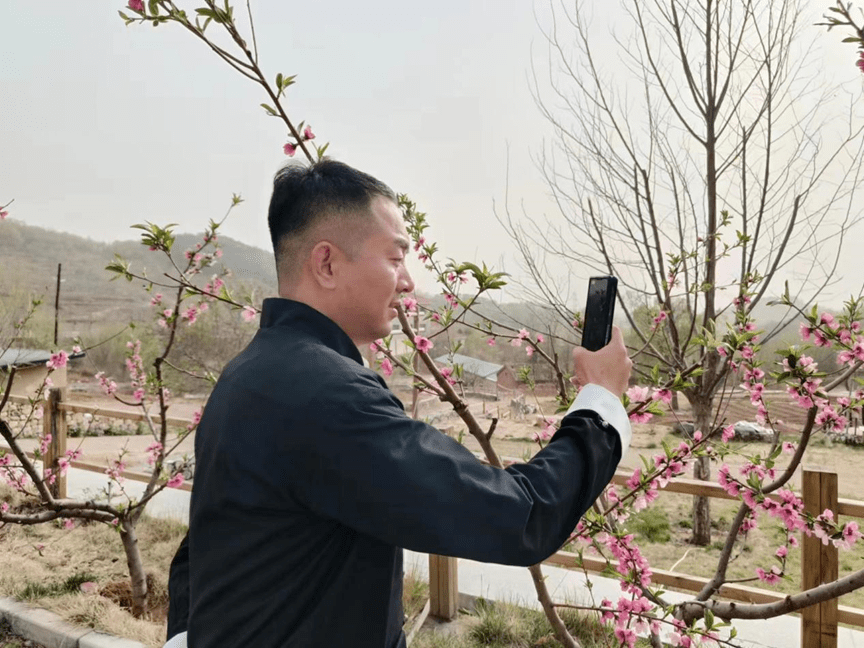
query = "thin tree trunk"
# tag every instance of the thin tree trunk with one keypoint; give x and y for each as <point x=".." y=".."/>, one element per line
<point x="558" y="627"/>
<point x="702" y="470"/>
<point x="136" y="569"/>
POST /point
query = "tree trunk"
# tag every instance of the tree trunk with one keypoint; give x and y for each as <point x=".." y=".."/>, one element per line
<point x="702" y="470"/>
<point x="136" y="568"/>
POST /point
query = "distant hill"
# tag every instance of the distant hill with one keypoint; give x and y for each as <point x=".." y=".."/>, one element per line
<point x="28" y="265"/>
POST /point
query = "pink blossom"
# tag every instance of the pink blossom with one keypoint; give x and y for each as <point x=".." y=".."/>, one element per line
<point x="664" y="395"/>
<point x="196" y="419"/>
<point x="108" y="385"/>
<point x="860" y="61"/>
<point x="138" y="395"/>
<point x="641" y="417"/>
<point x="4" y="507"/>
<point x="728" y="433"/>
<point x="447" y="373"/>
<point x="850" y="535"/>
<point x="410" y="304"/>
<point x="308" y="134"/>
<point x="136" y="5"/>
<point x="153" y="451"/>
<point x="769" y="577"/>
<point x="289" y="149"/>
<point x="789" y="447"/>
<point x="419" y="244"/>
<point x="3" y="215"/>
<point x="540" y="338"/>
<point x="190" y="315"/>
<point x="637" y="394"/>
<point x="491" y="341"/>
<point x="436" y="317"/>
<point x="451" y="300"/>
<point x="248" y="313"/>
<point x="819" y="339"/>
<point x="516" y="342"/>
<point x="422" y="344"/>
<point x="781" y="552"/>
<point x="68" y="524"/>
<point x="529" y="350"/>
<point x="387" y="367"/>
<point x="376" y="345"/>
<point x="523" y="334"/>
<point x="167" y="313"/>
<point x="58" y="360"/>
<point x="175" y="481"/>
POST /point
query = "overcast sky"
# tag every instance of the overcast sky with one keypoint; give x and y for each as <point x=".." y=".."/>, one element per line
<point x="103" y="126"/>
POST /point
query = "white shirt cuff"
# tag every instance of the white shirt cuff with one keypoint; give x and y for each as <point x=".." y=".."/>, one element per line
<point x="610" y="409"/>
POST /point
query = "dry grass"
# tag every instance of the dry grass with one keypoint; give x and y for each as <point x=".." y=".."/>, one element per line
<point x="45" y="564"/>
<point x="503" y="625"/>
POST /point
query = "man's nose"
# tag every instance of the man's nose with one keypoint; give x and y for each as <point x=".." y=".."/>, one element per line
<point x="406" y="283"/>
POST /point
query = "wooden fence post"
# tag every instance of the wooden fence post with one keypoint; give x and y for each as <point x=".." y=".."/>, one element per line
<point x="54" y="423"/>
<point x="443" y="587"/>
<point x="819" y="562"/>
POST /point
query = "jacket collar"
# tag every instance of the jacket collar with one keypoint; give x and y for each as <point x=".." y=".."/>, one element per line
<point x="277" y="311"/>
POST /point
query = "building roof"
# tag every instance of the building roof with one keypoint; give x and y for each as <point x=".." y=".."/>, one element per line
<point x="481" y="368"/>
<point x="29" y="357"/>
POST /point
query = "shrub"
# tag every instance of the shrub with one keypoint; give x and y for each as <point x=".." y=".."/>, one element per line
<point x="651" y="524"/>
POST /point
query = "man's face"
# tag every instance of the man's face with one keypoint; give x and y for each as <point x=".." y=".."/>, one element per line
<point x="374" y="280"/>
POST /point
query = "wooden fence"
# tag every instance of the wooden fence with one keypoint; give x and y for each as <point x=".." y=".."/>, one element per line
<point x="819" y="563"/>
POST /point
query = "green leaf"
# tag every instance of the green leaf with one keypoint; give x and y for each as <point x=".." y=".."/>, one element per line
<point x="270" y="110"/>
<point x="851" y="39"/>
<point x="153" y="6"/>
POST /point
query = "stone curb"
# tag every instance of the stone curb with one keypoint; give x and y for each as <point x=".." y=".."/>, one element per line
<point x="51" y="631"/>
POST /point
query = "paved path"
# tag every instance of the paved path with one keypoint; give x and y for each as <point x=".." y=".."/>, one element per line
<point x="500" y="582"/>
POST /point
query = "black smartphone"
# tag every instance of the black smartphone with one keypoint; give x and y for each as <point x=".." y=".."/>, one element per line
<point x="599" y="310"/>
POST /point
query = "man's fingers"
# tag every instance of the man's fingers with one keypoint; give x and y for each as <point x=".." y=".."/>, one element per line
<point x="617" y="335"/>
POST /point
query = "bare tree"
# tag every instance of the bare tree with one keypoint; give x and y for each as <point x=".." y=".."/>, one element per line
<point x="699" y="168"/>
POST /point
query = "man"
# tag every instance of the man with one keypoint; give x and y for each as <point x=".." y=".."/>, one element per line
<point x="310" y="478"/>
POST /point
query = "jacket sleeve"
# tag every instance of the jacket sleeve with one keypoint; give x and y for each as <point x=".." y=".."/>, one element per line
<point x="366" y="464"/>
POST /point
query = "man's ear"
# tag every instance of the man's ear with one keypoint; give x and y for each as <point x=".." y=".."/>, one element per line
<point x="324" y="258"/>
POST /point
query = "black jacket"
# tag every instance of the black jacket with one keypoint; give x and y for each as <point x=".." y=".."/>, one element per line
<point x="310" y="479"/>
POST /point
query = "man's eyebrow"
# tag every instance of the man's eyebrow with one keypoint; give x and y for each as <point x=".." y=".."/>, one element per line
<point x="402" y="243"/>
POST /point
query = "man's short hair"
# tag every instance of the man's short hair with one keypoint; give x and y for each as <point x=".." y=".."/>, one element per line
<point x="304" y="196"/>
